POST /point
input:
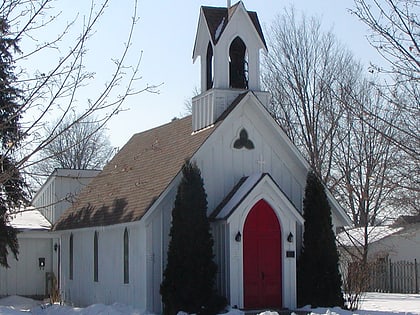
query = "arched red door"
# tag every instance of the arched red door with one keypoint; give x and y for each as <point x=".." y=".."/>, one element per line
<point x="262" y="258"/>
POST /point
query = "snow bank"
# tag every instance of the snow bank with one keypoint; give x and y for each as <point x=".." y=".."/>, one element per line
<point x="373" y="304"/>
<point x="230" y="311"/>
<point x="18" y="303"/>
<point x="7" y="310"/>
<point x="96" y="309"/>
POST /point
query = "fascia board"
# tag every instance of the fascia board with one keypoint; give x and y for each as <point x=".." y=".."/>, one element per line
<point x="266" y="180"/>
<point x="201" y="28"/>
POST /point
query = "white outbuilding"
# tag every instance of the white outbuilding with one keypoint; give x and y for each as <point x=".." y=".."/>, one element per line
<point x="30" y="275"/>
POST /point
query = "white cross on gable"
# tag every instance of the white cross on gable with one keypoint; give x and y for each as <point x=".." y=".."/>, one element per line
<point x="261" y="163"/>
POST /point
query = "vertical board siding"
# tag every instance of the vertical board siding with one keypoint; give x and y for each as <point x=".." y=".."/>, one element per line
<point x="222" y="166"/>
<point x="221" y="257"/>
<point x="110" y="287"/>
<point x="24" y="277"/>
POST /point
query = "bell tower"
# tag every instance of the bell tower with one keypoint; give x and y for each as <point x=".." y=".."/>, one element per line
<point x="228" y="42"/>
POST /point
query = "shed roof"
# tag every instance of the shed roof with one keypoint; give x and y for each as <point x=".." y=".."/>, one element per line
<point x="29" y="219"/>
<point x="407" y="219"/>
<point x="356" y="236"/>
<point x="137" y="175"/>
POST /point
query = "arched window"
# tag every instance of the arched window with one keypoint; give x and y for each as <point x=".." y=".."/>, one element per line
<point x="95" y="257"/>
<point x="71" y="257"/>
<point x="209" y="67"/>
<point x="126" y="257"/>
<point x="238" y="65"/>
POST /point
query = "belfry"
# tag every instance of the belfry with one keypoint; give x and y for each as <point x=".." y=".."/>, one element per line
<point x="228" y="42"/>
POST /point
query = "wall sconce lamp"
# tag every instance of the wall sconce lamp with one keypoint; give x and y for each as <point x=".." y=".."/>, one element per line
<point x="41" y="263"/>
<point x="238" y="237"/>
<point x="290" y="237"/>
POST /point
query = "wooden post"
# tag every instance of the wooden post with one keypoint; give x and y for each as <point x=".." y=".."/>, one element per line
<point x="390" y="276"/>
<point x="416" y="275"/>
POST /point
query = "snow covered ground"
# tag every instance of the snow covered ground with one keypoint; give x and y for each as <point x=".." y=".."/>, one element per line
<point x="380" y="304"/>
<point x="393" y="303"/>
<point x="373" y="304"/>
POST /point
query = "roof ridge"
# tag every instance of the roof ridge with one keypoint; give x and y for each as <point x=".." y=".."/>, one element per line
<point x="174" y="120"/>
<point x="232" y="9"/>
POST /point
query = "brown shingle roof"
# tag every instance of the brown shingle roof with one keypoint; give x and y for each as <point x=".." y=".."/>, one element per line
<point x="216" y="16"/>
<point x="135" y="177"/>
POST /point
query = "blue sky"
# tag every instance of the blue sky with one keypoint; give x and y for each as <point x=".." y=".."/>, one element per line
<point x="166" y="32"/>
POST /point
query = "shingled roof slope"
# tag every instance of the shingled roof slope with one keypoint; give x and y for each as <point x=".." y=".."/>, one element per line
<point x="135" y="177"/>
<point x="217" y="19"/>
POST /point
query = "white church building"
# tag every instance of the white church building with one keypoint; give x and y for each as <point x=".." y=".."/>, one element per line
<point x="114" y="238"/>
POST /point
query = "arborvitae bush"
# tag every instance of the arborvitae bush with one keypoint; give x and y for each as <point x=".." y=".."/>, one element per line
<point x="319" y="280"/>
<point x="188" y="280"/>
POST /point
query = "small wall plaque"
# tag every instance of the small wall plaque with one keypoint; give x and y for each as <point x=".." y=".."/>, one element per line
<point x="290" y="254"/>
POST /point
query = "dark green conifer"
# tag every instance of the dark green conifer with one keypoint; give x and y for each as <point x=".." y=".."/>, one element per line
<point x="188" y="283"/>
<point x="319" y="280"/>
<point x="12" y="193"/>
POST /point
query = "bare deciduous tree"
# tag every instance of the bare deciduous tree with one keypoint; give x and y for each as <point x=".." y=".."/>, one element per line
<point x="83" y="145"/>
<point x="305" y="69"/>
<point x="36" y="33"/>
<point x="395" y="33"/>
<point x="54" y="94"/>
<point x="365" y="162"/>
<point x="337" y="118"/>
<point x="395" y="27"/>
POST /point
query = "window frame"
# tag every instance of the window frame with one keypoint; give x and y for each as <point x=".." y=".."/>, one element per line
<point x="71" y="257"/>
<point x="126" y="257"/>
<point x="95" y="257"/>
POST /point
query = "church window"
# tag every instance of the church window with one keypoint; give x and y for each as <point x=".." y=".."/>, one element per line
<point x="238" y="65"/>
<point x="243" y="141"/>
<point x="209" y="67"/>
<point x="126" y="257"/>
<point x="71" y="257"/>
<point x="95" y="257"/>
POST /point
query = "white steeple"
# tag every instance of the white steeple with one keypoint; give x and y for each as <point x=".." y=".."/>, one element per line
<point x="228" y="42"/>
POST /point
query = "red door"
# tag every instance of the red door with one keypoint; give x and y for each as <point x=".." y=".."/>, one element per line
<point x="262" y="258"/>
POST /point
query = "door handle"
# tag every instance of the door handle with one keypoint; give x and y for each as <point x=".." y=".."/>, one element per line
<point x="262" y="275"/>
